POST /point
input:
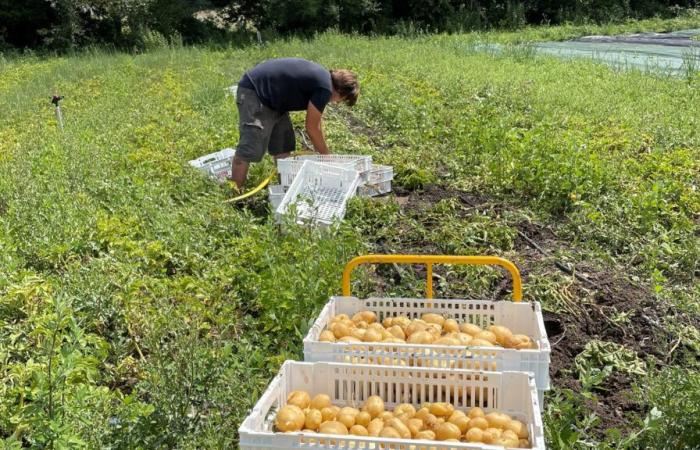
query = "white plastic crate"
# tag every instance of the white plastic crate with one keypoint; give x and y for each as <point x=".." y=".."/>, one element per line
<point x="217" y="165"/>
<point x="512" y="393"/>
<point x="521" y="318"/>
<point x="276" y="194"/>
<point x="289" y="167"/>
<point x="320" y="193"/>
<point x="379" y="181"/>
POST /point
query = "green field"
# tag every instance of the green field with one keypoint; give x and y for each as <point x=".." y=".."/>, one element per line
<point x="138" y="310"/>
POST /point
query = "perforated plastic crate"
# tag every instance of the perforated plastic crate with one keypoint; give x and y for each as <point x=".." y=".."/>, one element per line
<point x="217" y="165"/>
<point x="512" y="393"/>
<point x="289" y="167"/>
<point x="521" y="318"/>
<point x="379" y="181"/>
<point x="319" y="193"/>
<point x="276" y="194"/>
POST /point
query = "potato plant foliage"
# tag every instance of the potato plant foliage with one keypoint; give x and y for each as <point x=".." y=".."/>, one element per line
<point x="137" y="310"/>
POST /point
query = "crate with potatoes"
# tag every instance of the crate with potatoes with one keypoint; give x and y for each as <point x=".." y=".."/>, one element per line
<point x="338" y="405"/>
<point x="459" y="334"/>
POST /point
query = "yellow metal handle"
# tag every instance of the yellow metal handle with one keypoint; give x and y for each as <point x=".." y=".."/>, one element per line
<point x="428" y="261"/>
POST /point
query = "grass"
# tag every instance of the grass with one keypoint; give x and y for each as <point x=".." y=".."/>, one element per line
<point x="139" y="310"/>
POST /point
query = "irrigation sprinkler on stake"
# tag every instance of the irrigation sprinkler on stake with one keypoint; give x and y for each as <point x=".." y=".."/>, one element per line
<point x="55" y="99"/>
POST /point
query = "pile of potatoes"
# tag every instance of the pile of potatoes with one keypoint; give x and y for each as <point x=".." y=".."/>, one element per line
<point x="432" y="421"/>
<point x="429" y="329"/>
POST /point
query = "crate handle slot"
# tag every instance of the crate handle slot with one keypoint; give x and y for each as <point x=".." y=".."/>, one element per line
<point x="428" y="261"/>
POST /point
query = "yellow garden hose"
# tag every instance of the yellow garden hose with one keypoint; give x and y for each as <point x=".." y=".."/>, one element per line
<point x="264" y="183"/>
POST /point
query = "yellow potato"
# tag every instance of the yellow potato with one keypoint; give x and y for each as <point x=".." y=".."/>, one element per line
<point x="475" y="435"/>
<point x="372" y="335"/>
<point x="431" y="421"/>
<point x="523" y="443"/>
<point x="446" y="431"/>
<point x="358" y="333"/>
<point x="425" y="434"/>
<point x="388" y="322"/>
<point x="320" y="401"/>
<point x="519" y="428"/>
<point x="461" y="421"/>
<point x="359" y="430"/>
<point x="415" y="326"/>
<point x="497" y="420"/>
<point x="433" y="318"/>
<point x="349" y="339"/>
<point x="405" y="408"/>
<point x="375" y="427"/>
<point x="494" y="432"/>
<point x="415" y="426"/>
<point x="326" y="336"/>
<point x="422" y="413"/>
<point x="486" y="336"/>
<point x="469" y="328"/>
<point x="476" y="342"/>
<point x="399" y="426"/>
<point x="501" y="332"/>
<point x="363" y="418"/>
<point x="340" y="329"/>
<point x="386" y="416"/>
<point x="374" y="405"/>
<point x="510" y="435"/>
<point x="299" y="398"/>
<point x="401" y="321"/>
<point x="450" y="326"/>
<point x="333" y="427"/>
<point x="464" y="338"/>
<point x="397" y="332"/>
<point x="346" y="419"/>
<point x="441" y="409"/>
<point x="328" y="413"/>
<point x="446" y="341"/>
<point x="314" y="418"/>
<point x="290" y="418"/>
<point x="478" y="422"/>
<point x="389" y="432"/>
<point x="365" y="316"/>
<point x="475" y="412"/>
<point x="420" y="337"/>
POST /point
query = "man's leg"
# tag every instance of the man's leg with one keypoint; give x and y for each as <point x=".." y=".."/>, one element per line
<point x="282" y="140"/>
<point x="239" y="171"/>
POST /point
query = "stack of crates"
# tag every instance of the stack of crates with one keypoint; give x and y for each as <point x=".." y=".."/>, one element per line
<point x="492" y="378"/>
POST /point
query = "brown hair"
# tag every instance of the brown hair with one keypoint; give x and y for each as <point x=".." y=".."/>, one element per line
<point x="345" y="83"/>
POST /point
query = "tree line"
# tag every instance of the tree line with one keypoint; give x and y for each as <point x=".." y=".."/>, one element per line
<point x="136" y="24"/>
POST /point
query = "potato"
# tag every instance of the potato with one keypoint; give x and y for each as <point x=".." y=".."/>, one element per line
<point x="397" y="332"/>
<point x="446" y="431"/>
<point x="422" y="413"/>
<point x="495" y="432"/>
<point x="433" y="318"/>
<point x="349" y="410"/>
<point x="405" y="408"/>
<point x="314" y="418"/>
<point x="401" y="321"/>
<point x="464" y="338"/>
<point x="469" y="328"/>
<point x="365" y="316"/>
<point x="478" y="422"/>
<point x="519" y="428"/>
<point x="462" y="422"/>
<point x="326" y="336"/>
<point x="333" y="427"/>
<point x="299" y="398"/>
<point x="487" y="436"/>
<point x="349" y="339"/>
<point x="431" y="421"/>
<point x="329" y="413"/>
<point x="399" y="426"/>
<point x="389" y="432"/>
<point x="358" y="430"/>
<point x="290" y="418"/>
<point x="497" y="420"/>
<point x="476" y="342"/>
<point x="363" y="418"/>
<point x="415" y="426"/>
<point x="486" y="336"/>
<point x="475" y="412"/>
<point x="340" y="329"/>
<point x="320" y="401"/>
<point x="450" y="326"/>
<point x="374" y="405"/>
<point x="415" y="326"/>
<point x="523" y="443"/>
<point x="420" y="337"/>
<point x="386" y="416"/>
<point x="375" y="427"/>
<point x="346" y="419"/>
<point x="372" y="335"/>
<point x="475" y="435"/>
<point x="388" y="322"/>
<point x="510" y="435"/>
<point x="501" y="332"/>
<point x="446" y="341"/>
<point x="425" y="434"/>
<point x="441" y="409"/>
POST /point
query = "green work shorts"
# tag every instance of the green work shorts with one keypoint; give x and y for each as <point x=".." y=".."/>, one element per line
<point x="261" y="128"/>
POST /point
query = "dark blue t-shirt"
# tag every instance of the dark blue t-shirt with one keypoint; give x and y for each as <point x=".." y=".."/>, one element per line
<point x="289" y="84"/>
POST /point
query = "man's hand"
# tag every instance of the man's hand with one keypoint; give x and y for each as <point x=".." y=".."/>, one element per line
<point x="313" y="128"/>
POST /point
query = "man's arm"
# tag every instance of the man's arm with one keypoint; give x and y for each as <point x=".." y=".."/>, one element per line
<point x="313" y="128"/>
